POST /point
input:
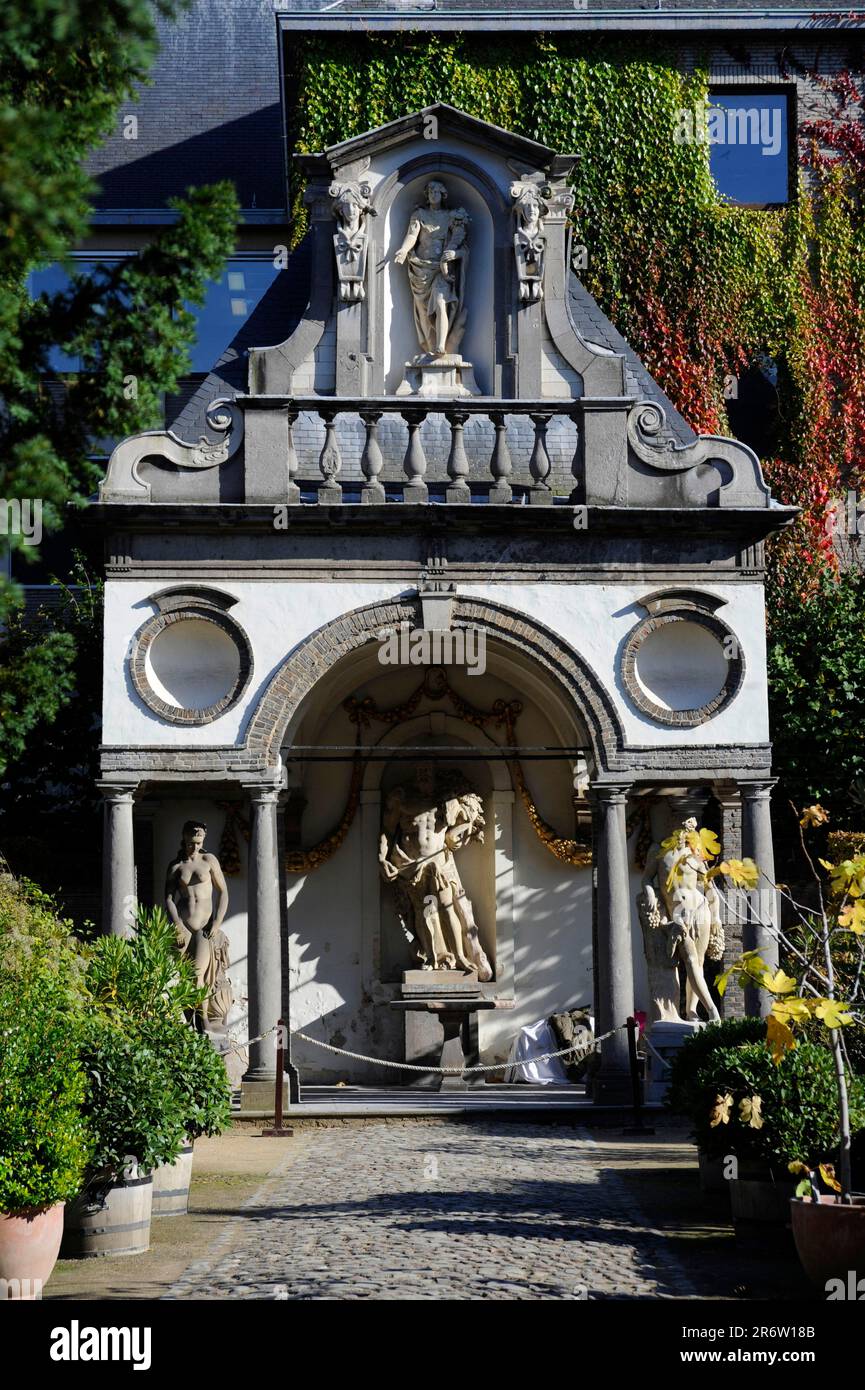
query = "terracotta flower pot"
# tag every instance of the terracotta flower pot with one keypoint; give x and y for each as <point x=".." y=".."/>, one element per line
<point x="830" y="1238"/>
<point x="29" y="1244"/>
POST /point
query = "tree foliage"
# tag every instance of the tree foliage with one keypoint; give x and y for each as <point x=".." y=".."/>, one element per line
<point x="66" y="66"/>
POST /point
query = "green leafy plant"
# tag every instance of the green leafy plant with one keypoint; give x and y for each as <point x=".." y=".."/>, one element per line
<point x="685" y="1093"/>
<point x="130" y="1104"/>
<point x="44" y="1139"/>
<point x="44" y="1142"/>
<point x="776" y="1113"/>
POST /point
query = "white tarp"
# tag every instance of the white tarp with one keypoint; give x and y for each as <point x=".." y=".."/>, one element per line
<point x="530" y="1042"/>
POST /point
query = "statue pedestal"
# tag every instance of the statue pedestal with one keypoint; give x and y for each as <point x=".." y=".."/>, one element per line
<point x="439" y="378"/>
<point x="666" y="1039"/>
<point x="438" y="1006"/>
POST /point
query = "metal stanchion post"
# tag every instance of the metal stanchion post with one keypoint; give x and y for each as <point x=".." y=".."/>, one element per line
<point x="278" y="1132"/>
<point x="636" y="1084"/>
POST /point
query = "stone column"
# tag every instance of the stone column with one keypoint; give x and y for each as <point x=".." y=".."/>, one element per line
<point x="118" y="860"/>
<point x="763" y="902"/>
<point x="614" y="968"/>
<point x="734" y="906"/>
<point x="264" y="946"/>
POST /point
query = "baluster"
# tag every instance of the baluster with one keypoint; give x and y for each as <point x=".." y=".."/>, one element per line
<point x="330" y="461"/>
<point x="539" y="463"/>
<point x="414" y="463"/>
<point x="371" y="461"/>
<point x="501" y="466"/>
<point x="458" y="463"/>
<point x="293" y="491"/>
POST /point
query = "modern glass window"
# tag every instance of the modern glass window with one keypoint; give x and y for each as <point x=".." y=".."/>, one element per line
<point x="53" y="280"/>
<point x="749" y="152"/>
<point x="230" y="302"/>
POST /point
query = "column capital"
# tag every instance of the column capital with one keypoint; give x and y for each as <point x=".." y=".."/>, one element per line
<point x="757" y="791"/>
<point x="263" y="793"/>
<point x="609" y="793"/>
<point x="118" y="791"/>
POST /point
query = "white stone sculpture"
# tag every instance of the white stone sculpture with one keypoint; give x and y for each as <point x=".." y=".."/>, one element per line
<point x="679" y="914"/>
<point x="436" y="255"/>
<point x="351" y="208"/>
<point x="423" y="827"/>
<point x="530" y="241"/>
<point x="190" y="882"/>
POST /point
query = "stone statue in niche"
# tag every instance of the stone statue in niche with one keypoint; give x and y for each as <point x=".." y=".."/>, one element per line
<point x="192" y="877"/>
<point x="530" y="241"/>
<point x="424" y="825"/>
<point x="680" y="917"/>
<point x="351" y="208"/>
<point x="436" y="255"/>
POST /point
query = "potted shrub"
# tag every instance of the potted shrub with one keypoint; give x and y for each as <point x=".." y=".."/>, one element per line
<point x="204" y="1099"/>
<point x="685" y="1096"/>
<point x="137" y="994"/>
<point x="44" y="1141"/>
<point x="767" y="1114"/>
<point x="827" y="953"/>
<point x="154" y="1084"/>
<point x="43" y="1137"/>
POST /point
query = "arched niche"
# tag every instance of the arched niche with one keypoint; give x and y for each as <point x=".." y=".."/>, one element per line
<point x="487" y="870"/>
<point x="399" y="342"/>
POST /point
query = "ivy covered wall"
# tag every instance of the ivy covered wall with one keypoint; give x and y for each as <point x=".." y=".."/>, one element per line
<point x="700" y="289"/>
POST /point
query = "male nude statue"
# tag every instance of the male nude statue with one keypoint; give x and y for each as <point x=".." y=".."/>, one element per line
<point x="680" y="915"/>
<point x="422" y="828"/>
<point x="189" y="887"/>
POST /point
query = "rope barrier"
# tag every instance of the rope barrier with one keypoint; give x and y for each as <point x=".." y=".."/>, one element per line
<point x="581" y="1050"/>
<point x="662" y="1060"/>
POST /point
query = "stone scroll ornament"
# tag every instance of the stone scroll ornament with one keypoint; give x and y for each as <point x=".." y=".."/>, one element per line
<point x="530" y="240"/>
<point x="351" y="208"/>
<point x="679" y="912"/>
<point x="122" y="482"/>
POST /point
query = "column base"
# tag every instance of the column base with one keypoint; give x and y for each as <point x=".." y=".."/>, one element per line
<point x="259" y="1094"/>
<point x="612" y="1088"/>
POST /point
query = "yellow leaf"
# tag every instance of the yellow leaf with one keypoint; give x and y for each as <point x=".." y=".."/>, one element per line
<point x="814" y="815"/>
<point x="720" y="1113"/>
<point x="749" y="1111"/>
<point x="833" y="1012"/>
<point x="709" y="843"/>
<point x="779" y="1038"/>
<point x="791" y="1010"/>
<point x="827" y="1173"/>
<point x="722" y="981"/>
<point x="799" y="1169"/>
<point x="779" y="983"/>
<point x="743" y="872"/>
<point x="852" y="918"/>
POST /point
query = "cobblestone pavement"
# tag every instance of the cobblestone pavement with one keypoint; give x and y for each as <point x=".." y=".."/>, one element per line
<point x="414" y="1211"/>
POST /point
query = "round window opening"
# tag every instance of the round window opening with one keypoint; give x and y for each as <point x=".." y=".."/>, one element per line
<point x="682" y="669"/>
<point x="193" y="664"/>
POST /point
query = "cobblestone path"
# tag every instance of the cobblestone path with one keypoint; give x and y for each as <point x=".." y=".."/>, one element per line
<point x="455" y="1211"/>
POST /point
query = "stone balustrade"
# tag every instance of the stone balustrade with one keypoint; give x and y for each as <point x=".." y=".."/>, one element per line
<point x="480" y="450"/>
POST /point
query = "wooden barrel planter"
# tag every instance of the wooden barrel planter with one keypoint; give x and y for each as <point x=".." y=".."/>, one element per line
<point x="756" y="1197"/>
<point x="108" y="1220"/>
<point x="712" y="1180"/>
<point x="171" y="1185"/>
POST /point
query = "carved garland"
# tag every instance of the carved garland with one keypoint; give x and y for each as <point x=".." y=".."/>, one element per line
<point x="435" y="686"/>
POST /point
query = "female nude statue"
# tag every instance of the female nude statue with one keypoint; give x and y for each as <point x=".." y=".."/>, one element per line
<point x="189" y="886"/>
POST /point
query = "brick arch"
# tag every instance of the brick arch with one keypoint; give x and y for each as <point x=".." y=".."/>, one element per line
<point x="315" y="655"/>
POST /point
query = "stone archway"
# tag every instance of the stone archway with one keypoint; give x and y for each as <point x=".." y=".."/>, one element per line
<point x="279" y="705"/>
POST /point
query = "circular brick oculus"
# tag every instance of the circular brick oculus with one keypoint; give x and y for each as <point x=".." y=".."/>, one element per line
<point x="191" y="663"/>
<point x="682" y="668"/>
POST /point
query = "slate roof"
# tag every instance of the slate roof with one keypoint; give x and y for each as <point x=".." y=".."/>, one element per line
<point x="531" y="8"/>
<point x="283" y="306"/>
